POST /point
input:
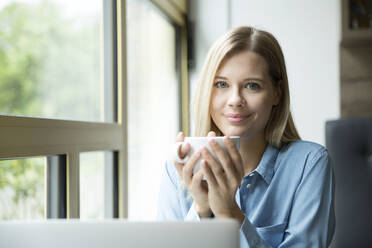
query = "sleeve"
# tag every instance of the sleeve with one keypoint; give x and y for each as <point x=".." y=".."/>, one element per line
<point x="171" y="202"/>
<point x="312" y="218"/>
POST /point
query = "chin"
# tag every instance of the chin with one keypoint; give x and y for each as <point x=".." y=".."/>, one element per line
<point x="233" y="133"/>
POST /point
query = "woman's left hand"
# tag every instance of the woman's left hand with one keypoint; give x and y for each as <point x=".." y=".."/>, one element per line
<point x="223" y="178"/>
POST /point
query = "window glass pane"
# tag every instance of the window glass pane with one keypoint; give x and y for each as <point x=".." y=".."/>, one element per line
<point x="153" y="102"/>
<point x="53" y="59"/>
<point x="96" y="185"/>
<point x="22" y="194"/>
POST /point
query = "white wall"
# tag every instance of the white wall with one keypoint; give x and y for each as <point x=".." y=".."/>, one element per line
<point x="308" y="32"/>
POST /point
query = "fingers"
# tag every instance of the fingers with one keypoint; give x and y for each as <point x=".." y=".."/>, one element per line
<point x="198" y="177"/>
<point x="187" y="171"/>
<point x="179" y="167"/>
<point x="211" y="134"/>
<point x="181" y="152"/>
<point x="180" y="137"/>
<point x="183" y="149"/>
<point x="207" y="172"/>
<point x="235" y="155"/>
<point x="225" y="160"/>
<point x="216" y="167"/>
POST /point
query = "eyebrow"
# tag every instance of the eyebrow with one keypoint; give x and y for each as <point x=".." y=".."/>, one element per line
<point x="246" y="79"/>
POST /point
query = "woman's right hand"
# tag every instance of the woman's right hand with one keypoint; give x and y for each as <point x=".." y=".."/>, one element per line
<point x="195" y="184"/>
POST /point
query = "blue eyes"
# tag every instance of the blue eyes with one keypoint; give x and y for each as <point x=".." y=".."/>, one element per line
<point x="250" y="85"/>
<point x="221" y="84"/>
<point x="253" y="86"/>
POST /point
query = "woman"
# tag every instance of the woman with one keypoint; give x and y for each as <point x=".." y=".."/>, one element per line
<point x="278" y="187"/>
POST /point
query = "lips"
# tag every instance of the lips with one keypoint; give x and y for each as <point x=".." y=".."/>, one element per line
<point x="236" y="118"/>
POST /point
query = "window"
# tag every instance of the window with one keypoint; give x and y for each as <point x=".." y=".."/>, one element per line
<point x="96" y="185"/>
<point x="57" y="62"/>
<point x="154" y="101"/>
<point x="52" y="56"/>
<point x="22" y="189"/>
<point x="63" y="100"/>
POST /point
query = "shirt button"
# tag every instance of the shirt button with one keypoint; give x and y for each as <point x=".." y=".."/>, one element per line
<point x="251" y="175"/>
<point x="248" y="185"/>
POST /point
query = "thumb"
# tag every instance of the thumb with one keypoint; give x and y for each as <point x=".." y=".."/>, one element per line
<point x="211" y="134"/>
<point x="180" y="137"/>
<point x="184" y="148"/>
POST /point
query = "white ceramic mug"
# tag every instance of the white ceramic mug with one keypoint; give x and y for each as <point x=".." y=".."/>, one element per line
<point x="197" y="142"/>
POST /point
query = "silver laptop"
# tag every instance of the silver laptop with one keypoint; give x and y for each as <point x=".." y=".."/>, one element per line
<point x="118" y="233"/>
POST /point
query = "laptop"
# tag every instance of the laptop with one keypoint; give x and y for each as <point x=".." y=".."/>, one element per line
<point x="121" y="233"/>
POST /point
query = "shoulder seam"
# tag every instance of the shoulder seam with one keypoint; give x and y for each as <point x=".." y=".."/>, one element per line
<point x="319" y="153"/>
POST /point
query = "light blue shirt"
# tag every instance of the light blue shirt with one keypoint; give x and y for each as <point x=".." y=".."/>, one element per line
<point x="287" y="200"/>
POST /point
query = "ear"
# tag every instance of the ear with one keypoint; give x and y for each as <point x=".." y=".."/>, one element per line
<point x="278" y="93"/>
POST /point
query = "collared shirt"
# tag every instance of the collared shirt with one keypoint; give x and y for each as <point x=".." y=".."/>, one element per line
<point x="287" y="200"/>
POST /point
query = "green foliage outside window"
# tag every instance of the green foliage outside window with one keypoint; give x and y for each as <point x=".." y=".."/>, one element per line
<point x="49" y="67"/>
<point x="22" y="189"/>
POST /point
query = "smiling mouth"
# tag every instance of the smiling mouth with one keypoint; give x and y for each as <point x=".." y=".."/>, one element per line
<point x="237" y="120"/>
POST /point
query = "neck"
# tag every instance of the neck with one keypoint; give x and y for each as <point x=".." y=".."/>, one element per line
<point x="251" y="150"/>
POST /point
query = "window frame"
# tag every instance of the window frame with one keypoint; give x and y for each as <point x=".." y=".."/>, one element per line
<point x="29" y="136"/>
<point x="176" y="11"/>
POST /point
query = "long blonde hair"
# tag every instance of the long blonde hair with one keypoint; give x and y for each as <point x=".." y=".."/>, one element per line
<point x="280" y="128"/>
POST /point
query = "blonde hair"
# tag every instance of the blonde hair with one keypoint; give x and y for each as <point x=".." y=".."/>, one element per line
<point x="280" y="128"/>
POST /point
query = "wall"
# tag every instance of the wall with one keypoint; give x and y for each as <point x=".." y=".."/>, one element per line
<point x="309" y="33"/>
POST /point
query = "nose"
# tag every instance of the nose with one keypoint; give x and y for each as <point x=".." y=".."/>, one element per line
<point x="235" y="98"/>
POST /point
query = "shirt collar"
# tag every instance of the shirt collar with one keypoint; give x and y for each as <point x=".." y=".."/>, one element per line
<point x="266" y="166"/>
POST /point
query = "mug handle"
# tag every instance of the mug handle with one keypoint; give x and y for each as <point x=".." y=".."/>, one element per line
<point x="176" y="157"/>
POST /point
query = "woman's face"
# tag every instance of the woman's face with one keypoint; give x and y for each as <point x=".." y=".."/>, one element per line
<point x="243" y="95"/>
